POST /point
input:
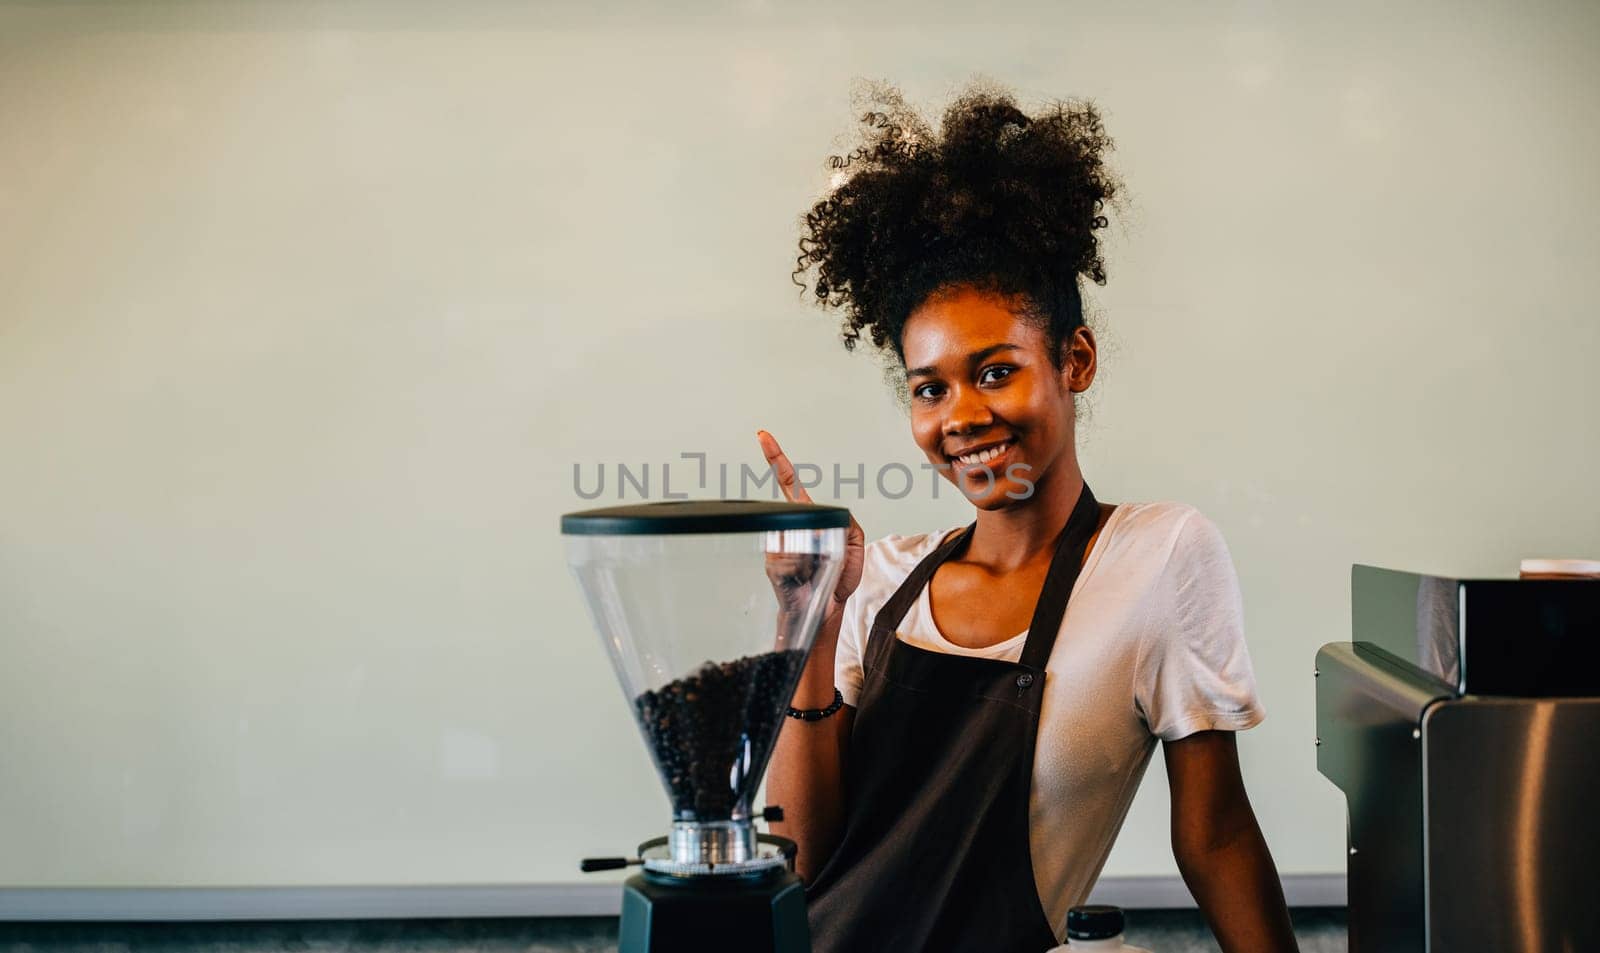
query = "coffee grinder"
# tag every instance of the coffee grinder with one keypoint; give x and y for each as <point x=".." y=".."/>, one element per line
<point x="707" y="609"/>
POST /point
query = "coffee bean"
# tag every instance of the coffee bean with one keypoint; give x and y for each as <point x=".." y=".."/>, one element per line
<point x="712" y="732"/>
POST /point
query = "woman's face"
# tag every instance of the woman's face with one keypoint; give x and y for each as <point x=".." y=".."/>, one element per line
<point x="982" y="381"/>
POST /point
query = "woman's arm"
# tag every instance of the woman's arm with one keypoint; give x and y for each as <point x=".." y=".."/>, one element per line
<point x="806" y="776"/>
<point x="1219" y="847"/>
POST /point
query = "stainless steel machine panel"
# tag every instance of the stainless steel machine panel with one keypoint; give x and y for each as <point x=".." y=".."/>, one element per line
<point x="1512" y="824"/>
<point x="1462" y="723"/>
<point x="1368" y="744"/>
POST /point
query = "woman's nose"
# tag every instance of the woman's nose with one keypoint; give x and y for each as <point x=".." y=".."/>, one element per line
<point x="968" y="411"/>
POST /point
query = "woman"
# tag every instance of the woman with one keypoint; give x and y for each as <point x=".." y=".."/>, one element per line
<point x="964" y="748"/>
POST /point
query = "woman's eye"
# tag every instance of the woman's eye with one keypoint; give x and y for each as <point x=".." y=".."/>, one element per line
<point x="999" y="371"/>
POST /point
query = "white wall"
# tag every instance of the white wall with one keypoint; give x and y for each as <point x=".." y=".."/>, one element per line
<point x="307" y="311"/>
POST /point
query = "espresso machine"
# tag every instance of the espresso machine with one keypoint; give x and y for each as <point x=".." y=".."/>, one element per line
<point x="1462" y="723"/>
<point x="707" y="610"/>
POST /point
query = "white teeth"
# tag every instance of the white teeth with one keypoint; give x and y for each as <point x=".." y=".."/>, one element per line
<point x="983" y="456"/>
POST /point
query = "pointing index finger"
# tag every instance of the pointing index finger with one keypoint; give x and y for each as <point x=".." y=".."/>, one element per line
<point x="782" y="468"/>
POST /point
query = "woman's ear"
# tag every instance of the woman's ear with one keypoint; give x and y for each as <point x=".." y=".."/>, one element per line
<point x="1078" y="363"/>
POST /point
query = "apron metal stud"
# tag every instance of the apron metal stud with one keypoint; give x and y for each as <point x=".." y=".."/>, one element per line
<point x="1024" y="680"/>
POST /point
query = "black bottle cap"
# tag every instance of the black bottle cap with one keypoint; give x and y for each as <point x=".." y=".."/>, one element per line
<point x="1094" y="923"/>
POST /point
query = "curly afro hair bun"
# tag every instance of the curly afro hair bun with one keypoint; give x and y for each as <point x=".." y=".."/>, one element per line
<point x="1000" y="200"/>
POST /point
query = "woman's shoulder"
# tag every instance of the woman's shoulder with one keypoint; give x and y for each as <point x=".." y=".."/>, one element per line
<point x="1162" y="533"/>
<point x="905" y="549"/>
<point x="888" y="560"/>
<point x="1159" y="518"/>
<point x="886" y="563"/>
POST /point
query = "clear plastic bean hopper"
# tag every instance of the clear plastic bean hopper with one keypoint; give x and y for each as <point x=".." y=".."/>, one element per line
<point x="707" y="610"/>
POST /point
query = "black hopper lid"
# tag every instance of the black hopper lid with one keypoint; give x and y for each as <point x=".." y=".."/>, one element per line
<point x="672" y="517"/>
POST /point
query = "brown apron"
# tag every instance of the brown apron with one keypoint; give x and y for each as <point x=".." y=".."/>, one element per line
<point x="935" y="850"/>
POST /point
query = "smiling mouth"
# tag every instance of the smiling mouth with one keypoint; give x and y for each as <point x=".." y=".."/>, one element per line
<point x="983" y="457"/>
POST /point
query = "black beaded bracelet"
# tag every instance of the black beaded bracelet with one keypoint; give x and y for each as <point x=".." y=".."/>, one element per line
<point x="817" y="714"/>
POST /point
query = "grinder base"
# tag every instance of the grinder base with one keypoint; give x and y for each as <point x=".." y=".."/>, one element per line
<point x="761" y="913"/>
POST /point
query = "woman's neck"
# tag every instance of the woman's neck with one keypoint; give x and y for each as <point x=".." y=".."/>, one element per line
<point x="1024" y="534"/>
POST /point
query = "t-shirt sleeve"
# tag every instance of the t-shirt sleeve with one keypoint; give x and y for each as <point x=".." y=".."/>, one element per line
<point x="847" y="667"/>
<point x="1194" y="672"/>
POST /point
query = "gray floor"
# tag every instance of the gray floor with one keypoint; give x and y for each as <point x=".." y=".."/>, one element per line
<point x="1162" y="931"/>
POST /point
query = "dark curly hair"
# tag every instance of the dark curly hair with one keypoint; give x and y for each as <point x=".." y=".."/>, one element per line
<point x="1000" y="201"/>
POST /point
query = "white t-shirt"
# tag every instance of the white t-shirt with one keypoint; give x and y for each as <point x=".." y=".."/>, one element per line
<point x="1152" y="646"/>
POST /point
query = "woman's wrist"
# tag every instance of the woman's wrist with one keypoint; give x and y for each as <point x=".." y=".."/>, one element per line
<point x="817" y="714"/>
<point x="815" y="687"/>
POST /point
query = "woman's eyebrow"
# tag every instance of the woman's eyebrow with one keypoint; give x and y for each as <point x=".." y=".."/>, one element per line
<point x="973" y="358"/>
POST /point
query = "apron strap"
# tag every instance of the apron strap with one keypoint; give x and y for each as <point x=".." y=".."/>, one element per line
<point x="881" y="638"/>
<point x="1065" y="566"/>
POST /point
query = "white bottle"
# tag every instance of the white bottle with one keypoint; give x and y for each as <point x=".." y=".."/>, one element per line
<point x="1095" y="929"/>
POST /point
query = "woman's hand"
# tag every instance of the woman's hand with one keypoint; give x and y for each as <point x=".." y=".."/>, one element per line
<point x="790" y="572"/>
<point x="806" y="773"/>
